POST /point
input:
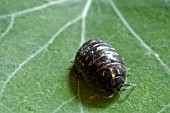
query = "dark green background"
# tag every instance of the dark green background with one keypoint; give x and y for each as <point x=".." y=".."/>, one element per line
<point x="43" y="83"/>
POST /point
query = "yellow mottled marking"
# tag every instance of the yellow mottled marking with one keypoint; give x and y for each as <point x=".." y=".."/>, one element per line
<point x="90" y="63"/>
<point x="103" y="73"/>
<point x="111" y="71"/>
<point x="82" y="64"/>
<point x="113" y="75"/>
<point x="118" y="71"/>
<point x="86" y="58"/>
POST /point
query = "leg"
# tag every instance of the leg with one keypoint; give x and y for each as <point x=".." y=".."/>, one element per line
<point x="75" y="74"/>
<point x="130" y="85"/>
<point x="112" y="93"/>
<point x="77" y="77"/>
<point x="70" y="67"/>
<point x="108" y="97"/>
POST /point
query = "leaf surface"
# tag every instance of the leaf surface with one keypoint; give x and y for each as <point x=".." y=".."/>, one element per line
<point x="39" y="39"/>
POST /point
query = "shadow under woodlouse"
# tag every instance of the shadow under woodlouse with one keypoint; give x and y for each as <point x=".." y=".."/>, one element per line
<point x="83" y="91"/>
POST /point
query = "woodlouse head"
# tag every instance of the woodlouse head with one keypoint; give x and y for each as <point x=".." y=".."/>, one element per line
<point x="117" y="82"/>
<point x="118" y="73"/>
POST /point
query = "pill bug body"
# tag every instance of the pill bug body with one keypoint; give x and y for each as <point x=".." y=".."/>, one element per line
<point x="101" y="66"/>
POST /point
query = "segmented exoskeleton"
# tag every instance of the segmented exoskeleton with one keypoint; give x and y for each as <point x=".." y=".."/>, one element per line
<point x="101" y="66"/>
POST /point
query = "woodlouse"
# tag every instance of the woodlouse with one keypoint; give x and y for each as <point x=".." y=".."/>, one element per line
<point x="102" y="67"/>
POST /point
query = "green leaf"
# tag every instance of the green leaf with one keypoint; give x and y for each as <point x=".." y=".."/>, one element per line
<point x="39" y="39"/>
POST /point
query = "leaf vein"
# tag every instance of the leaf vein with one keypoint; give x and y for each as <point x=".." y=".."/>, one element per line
<point x="37" y="8"/>
<point x="84" y="15"/>
<point x="37" y="52"/>
<point x="126" y="24"/>
<point x="165" y="107"/>
<point x="64" y="103"/>
<point x="10" y="26"/>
